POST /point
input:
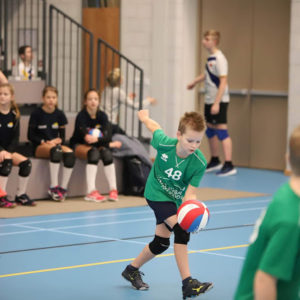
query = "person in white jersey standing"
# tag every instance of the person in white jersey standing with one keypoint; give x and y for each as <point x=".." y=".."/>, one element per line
<point x="216" y="104"/>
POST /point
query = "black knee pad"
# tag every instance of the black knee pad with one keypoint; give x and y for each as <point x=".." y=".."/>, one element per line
<point x="93" y="156"/>
<point x="69" y="159"/>
<point x="5" y="167"/>
<point x="159" y="245"/>
<point x="106" y="156"/>
<point x="181" y="236"/>
<point x="55" y="154"/>
<point x="25" y="168"/>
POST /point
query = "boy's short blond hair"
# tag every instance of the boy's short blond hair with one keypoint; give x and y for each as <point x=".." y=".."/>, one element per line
<point x="192" y="120"/>
<point x="294" y="145"/>
<point x="214" y="34"/>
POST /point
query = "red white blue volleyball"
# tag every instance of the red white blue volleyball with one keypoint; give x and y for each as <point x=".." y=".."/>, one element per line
<point x="193" y="215"/>
<point x="95" y="132"/>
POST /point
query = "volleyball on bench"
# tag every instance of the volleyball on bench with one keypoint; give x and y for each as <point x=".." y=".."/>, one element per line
<point x="95" y="132"/>
<point x="193" y="215"/>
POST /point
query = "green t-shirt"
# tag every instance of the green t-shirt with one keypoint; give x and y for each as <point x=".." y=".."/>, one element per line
<point x="170" y="174"/>
<point x="275" y="248"/>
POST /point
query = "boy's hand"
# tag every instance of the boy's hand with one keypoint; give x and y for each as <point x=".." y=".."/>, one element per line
<point x="143" y="115"/>
<point x="190" y="86"/>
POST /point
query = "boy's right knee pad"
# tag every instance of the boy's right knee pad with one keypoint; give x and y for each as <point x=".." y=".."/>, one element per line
<point x="159" y="245"/>
<point x="222" y="134"/>
<point x="55" y="154"/>
<point x="210" y="132"/>
<point x="5" y="167"/>
<point x="93" y="156"/>
<point x="181" y="236"/>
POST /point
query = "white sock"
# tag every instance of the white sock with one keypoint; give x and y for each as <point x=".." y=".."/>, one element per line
<point x="3" y="182"/>
<point x="91" y="173"/>
<point x="54" y="169"/>
<point x="110" y="174"/>
<point x="66" y="174"/>
<point x="22" y="185"/>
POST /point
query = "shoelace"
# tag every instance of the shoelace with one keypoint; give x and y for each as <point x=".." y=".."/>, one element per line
<point x="138" y="274"/>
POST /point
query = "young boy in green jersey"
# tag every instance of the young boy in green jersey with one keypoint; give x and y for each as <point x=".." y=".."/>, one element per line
<point x="174" y="177"/>
<point x="271" y="270"/>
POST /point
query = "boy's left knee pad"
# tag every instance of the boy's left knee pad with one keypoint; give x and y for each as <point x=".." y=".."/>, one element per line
<point x="69" y="159"/>
<point x="25" y="168"/>
<point x="222" y="134"/>
<point x="106" y="156"/>
<point x="181" y="236"/>
<point x="210" y="132"/>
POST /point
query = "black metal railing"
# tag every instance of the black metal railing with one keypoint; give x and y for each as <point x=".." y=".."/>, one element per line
<point x="67" y="46"/>
<point x="22" y="23"/>
<point x="109" y="58"/>
<point x="68" y="64"/>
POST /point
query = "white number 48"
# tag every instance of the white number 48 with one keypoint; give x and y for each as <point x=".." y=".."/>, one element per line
<point x="175" y="175"/>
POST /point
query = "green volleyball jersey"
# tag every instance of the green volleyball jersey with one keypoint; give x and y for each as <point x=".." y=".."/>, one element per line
<point x="170" y="174"/>
<point x="275" y="248"/>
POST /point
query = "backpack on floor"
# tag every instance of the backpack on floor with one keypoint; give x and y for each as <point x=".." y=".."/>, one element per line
<point x="135" y="174"/>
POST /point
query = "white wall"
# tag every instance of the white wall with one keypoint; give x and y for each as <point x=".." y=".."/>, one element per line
<point x="294" y="68"/>
<point x="160" y="36"/>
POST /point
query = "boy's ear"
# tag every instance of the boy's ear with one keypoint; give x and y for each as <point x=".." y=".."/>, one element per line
<point x="178" y="134"/>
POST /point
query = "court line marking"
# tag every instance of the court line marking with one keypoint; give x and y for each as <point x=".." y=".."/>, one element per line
<point x="108" y="240"/>
<point x="113" y="223"/>
<point x="126" y="213"/>
<point x="117" y="261"/>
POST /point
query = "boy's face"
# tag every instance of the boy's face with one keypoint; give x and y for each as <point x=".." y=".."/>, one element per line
<point x="189" y="141"/>
<point x="209" y="42"/>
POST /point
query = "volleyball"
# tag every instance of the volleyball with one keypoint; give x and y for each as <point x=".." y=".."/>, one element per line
<point x="193" y="215"/>
<point x="95" y="132"/>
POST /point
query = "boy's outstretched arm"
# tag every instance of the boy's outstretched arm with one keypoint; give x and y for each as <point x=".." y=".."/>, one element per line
<point x="144" y="118"/>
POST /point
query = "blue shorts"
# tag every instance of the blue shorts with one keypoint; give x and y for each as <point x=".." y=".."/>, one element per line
<point x="162" y="210"/>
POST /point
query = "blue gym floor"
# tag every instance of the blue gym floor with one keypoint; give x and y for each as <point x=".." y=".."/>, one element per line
<point x="81" y="255"/>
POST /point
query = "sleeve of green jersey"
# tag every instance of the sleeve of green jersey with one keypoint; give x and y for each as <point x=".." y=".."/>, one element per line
<point x="195" y="181"/>
<point x="158" y="136"/>
<point x="280" y="254"/>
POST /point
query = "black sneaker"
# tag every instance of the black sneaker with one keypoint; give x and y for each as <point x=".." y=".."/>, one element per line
<point x="213" y="165"/>
<point x="24" y="200"/>
<point x="227" y="170"/>
<point x="195" y="288"/>
<point x="135" y="278"/>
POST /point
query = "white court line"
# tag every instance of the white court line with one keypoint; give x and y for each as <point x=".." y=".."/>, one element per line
<point x="79" y="218"/>
<point x="236" y="203"/>
<point x="20" y="232"/>
<point x="87" y="235"/>
<point x="236" y="210"/>
<point x="223" y="255"/>
<point x="131" y="242"/>
<point x="121" y="214"/>
<point x="118" y="222"/>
